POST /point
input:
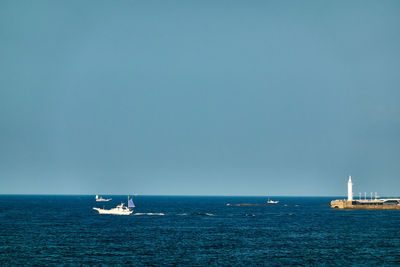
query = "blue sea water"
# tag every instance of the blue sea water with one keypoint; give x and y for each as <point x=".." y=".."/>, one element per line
<point x="65" y="230"/>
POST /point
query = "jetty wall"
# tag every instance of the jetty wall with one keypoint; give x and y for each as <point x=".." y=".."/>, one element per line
<point x="345" y="204"/>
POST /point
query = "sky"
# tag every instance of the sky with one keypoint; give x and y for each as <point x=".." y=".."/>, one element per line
<point x="271" y="98"/>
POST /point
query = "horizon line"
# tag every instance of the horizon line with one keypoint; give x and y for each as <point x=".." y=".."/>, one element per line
<point x="183" y="195"/>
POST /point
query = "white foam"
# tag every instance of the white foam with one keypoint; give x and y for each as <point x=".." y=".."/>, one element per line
<point x="151" y="214"/>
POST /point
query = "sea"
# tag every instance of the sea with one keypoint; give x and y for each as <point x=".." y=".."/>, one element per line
<point x="50" y="230"/>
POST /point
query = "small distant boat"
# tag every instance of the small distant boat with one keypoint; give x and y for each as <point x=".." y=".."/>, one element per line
<point x="100" y="199"/>
<point x="118" y="210"/>
<point x="272" y="202"/>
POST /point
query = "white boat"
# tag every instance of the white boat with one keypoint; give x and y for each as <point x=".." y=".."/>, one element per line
<point x="118" y="210"/>
<point x="100" y="199"/>
<point x="272" y="202"/>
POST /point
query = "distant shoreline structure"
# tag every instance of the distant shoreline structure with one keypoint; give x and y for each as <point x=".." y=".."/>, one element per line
<point x="368" y="204"/>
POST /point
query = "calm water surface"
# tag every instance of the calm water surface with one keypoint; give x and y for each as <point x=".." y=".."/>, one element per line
<point x="65" y="230"/>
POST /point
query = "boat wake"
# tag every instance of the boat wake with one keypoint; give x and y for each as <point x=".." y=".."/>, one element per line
<point x="150" y="214"/>
<point x="179" y="214"/>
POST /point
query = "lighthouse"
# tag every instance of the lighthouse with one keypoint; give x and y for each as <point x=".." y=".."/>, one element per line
<point x="364" y="204"/>
<point x="349" y="190"/>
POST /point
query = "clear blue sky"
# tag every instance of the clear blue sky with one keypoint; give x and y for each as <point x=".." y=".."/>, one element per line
<point x="199" y="97"/>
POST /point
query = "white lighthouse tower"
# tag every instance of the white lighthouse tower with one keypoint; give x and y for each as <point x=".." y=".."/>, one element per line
<point x="349" y="190"/>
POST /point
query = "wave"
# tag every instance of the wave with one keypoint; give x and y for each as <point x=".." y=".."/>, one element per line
<point x="203" y="214"/>
<point x="244" y="215"/>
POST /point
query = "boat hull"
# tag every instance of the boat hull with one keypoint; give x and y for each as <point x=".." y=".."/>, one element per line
<point x="114" y="212"/>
